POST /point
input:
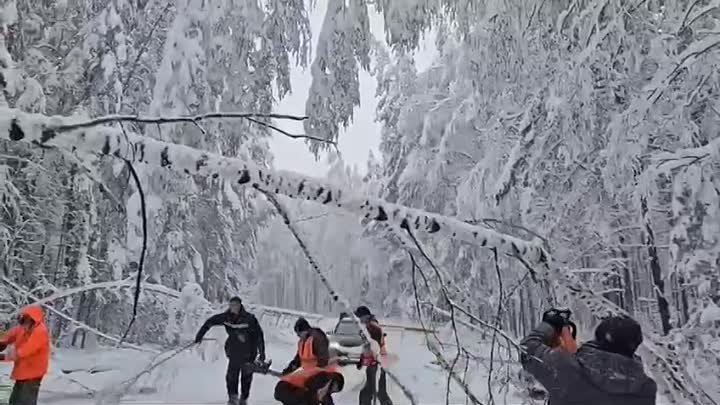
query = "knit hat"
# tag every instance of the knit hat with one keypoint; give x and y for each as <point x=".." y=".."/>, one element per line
<point x="619" y="334"/>
<point x="301" y="325"/>
<point x="236" y="299"/>
<point x="362" y="310"/>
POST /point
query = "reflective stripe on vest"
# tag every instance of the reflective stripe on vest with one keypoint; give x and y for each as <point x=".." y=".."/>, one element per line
<point x="300" y="376"/>
<point x="306" y="354"/>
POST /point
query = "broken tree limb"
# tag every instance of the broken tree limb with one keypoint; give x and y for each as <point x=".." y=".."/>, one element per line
<point x="16" y="126"/>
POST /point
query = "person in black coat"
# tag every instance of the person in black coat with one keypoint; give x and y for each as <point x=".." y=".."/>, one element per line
<point x="245" y="344"/>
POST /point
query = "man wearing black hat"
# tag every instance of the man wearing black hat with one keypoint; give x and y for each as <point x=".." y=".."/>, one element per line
<point x="244" y="344"/>
<point x="313" y="347"/>
<point x="603" y="371"/>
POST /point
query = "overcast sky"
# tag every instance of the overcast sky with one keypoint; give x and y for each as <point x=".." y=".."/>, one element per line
<point x="360" y="138"/>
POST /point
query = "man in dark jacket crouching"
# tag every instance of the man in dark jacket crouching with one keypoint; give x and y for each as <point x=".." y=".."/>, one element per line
<point x="604" y="371"/>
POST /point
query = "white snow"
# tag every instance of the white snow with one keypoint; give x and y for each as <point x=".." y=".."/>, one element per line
<point x="197" y="377"/>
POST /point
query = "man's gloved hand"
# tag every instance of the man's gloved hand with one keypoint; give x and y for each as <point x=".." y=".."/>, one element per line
<point x="261" y="357"/>
<point x="557" y="318"/>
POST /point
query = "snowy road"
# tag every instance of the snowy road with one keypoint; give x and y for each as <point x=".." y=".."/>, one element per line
<point x="198" y="377"/>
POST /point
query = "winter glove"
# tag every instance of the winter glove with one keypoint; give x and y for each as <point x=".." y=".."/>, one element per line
<point x="261" y="357"/>
<point x="557" y="318"/>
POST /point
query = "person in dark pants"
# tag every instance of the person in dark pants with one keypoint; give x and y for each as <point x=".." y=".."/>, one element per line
<point x="369" y="391"/>
<point x="245" y="344"/>
<point x="31" y="355"/>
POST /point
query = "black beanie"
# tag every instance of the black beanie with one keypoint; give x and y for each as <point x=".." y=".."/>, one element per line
<point x="301" y="325"/>
<point x="619" y="334"/>
<point x="236" y="299"/>
<point x="362" y="310"/>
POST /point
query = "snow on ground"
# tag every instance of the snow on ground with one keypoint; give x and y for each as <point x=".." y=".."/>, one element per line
<point x="197" y="377"/>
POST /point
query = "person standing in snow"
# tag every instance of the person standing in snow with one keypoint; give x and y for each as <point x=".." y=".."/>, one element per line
<point x="313" y="347"/>
<point x="368" y="392"/>
<point x="603" y="371"/>
<point x="30" y="355"/>
<point x="245" y="344"/>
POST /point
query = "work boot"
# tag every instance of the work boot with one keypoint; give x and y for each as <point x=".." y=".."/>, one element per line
<point x="233" y="400"/>
<point x="243" y="401"/>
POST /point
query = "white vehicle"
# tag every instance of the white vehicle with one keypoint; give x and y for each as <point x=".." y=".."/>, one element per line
<point x="345" y="340"/>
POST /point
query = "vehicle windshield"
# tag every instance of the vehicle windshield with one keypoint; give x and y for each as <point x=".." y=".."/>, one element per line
<point x="347" y="328"/>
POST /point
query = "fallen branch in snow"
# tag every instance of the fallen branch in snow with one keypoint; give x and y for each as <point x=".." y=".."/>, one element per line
<point x="113" y="394"/>
<point x="37" y="129"/>
<point x="71" y="319"/>
<point x="364" y="334"/>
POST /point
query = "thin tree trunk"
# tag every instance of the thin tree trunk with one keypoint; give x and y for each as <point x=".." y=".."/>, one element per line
<point x="656" y="270"/>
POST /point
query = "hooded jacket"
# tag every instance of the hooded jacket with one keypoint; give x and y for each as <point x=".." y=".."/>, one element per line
<point x="589" y="377"/>
<point x="245" y="335"/>
<point x="32" y="347"/>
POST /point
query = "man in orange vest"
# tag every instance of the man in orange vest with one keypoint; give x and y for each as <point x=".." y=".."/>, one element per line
<point x="309" y="386"/>
<point x="313" y="347"/>
<point x="31" y="355"/>
<point x="370" y="363"/>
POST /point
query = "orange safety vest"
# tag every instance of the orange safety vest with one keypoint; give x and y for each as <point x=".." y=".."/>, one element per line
<point x="565" y="341"/>
<point x="306" y="354"/>
<point x="299" y="377"/>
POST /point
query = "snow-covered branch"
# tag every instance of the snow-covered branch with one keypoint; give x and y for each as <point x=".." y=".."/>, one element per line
<point x="74" y="321"/>
<point x="105" y="285"/>
<point x="37" y="129"/>
<point x="191" y="119"/>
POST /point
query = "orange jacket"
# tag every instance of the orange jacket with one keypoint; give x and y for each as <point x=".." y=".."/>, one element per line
<point x="305" y="353"/>
<point x="32" y="347"/>
<point x="300" y="377"/>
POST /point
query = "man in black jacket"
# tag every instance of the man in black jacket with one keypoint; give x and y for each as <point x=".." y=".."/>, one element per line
<point x="244" y="344"/>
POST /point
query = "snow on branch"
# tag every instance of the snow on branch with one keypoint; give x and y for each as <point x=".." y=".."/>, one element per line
<point x="44" y="303"/>
<point x="105" y="285"/>
<point x="191" y="119"/>
<point x="666" y="162"/>
<point x="38" y="129"/>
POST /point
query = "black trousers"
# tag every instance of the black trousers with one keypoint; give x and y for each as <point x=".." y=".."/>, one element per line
<point x="289" y="394"/>
<point x="25" y="392"/>
<point x="238" y="370"/>
<point x="368" y="392"/>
